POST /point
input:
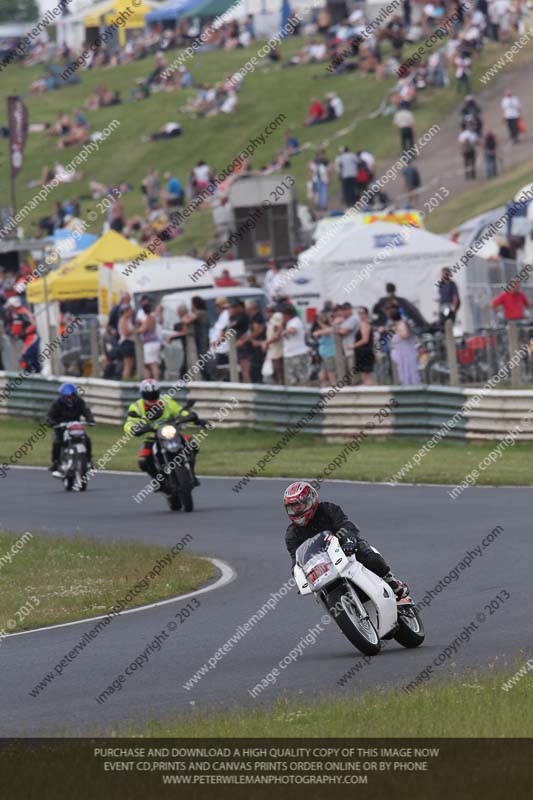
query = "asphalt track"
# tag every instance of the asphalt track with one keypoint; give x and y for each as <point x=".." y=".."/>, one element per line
<point x="420" y="530"/>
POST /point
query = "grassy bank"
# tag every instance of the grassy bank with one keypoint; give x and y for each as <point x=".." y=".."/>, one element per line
<point x="470" y="706"/>
<point x="57" y="580"/>
<point x="479" y="200"/>
<point x="237" y="450"/>
<point x="213" y="139"/>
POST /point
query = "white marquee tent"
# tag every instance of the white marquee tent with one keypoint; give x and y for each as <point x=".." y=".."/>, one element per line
<point x="411" y="258"/>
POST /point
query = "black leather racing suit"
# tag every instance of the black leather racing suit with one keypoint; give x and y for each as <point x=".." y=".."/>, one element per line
<point x="71" y="410"/>
<point x="331" y="517"/>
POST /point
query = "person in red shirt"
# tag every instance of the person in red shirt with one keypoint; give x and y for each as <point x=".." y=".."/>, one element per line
<point x="316" y="112"/>
<point x="226" y="279"/>
<point x="514" y="302"/>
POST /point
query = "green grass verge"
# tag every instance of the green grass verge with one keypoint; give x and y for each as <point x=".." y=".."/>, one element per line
<point x="470" y="706"/>
<point x="76" y="578"/>
<point x="235" y="451"/>
<point x="490" y="195"/>
<point x="270" y="91"/>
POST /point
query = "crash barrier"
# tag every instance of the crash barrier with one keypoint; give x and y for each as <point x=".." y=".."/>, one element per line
<point x="335" y="413"/>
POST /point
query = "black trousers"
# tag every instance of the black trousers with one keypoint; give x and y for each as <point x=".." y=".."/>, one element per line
<point x="406" y="137"/>
<point x="348" y="191"/>
<point x="512" y="124"/>
<point x="370" y="559"/>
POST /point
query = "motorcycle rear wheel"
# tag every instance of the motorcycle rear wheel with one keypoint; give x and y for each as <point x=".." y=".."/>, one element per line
<point x="360" y="632"/>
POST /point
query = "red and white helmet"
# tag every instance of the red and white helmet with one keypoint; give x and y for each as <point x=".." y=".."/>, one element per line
<point x="301" y="501"/>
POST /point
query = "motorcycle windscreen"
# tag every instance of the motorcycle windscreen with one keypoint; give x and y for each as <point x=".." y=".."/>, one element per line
<point x="312" y="547"/>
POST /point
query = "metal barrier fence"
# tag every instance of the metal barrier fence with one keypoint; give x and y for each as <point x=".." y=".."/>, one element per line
<point x="415" y="411"/>
<point x="443" y="360"/>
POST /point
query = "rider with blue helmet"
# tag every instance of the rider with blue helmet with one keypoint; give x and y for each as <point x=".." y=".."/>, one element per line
<point x="67" y="407"/>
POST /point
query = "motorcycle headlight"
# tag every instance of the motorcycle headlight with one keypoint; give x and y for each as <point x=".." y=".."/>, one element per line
<point x="168" y="432"/>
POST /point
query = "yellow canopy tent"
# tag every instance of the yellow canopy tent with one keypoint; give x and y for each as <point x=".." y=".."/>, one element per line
<point x="78" y="280"/>
<point x="132" y="18"/>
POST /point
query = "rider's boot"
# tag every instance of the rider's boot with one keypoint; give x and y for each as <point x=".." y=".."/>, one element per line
<point x="400" y="589"/>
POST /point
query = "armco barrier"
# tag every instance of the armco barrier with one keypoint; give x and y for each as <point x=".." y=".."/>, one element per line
<point x="416" y="411"/>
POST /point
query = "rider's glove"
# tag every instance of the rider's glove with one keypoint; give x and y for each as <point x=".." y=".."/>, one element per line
<point x="203" y="423"/>
<point x="155" y="412"/>
<point x="138" y="430"/>
<point x="349" y="548"/>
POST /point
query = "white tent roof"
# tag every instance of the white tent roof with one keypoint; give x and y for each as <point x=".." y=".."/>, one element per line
<point x="360" y="245"/>
<point x="412" y="258"/>
<point x="167" y="275"/>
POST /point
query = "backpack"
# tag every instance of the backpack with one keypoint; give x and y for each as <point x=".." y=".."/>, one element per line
<point x="363" y="174"/>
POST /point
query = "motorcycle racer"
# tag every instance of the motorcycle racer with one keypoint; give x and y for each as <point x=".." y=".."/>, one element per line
<point x="152" y="407"/>
<point x="309" y="516"/>
<point x="68" y="407"/>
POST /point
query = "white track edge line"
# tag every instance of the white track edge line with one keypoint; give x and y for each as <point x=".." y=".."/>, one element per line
<point x="228" y="575"/>
<point x="237" y="478"/>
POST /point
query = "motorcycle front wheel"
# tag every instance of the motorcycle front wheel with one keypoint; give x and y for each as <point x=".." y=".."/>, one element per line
<point x="358" y="629"/>
<point x="185" y="484"/>
<point x="174" y="502"/>
<point x="81" y="473"/>
<point x="410" y="631"/>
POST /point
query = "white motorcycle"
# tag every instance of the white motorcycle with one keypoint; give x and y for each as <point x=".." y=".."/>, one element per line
<point x="363" y="605"/>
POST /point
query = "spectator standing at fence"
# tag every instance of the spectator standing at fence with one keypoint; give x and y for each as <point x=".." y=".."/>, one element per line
<point x="295" y="349"/>
<point x="240" y="322"/>
<point x="513" y="301"/>
<point x="147" y="327"/>
<point x="126" y="338"/>
<point x="347" y="164"/>
<point x="324" y="333"/>
<point x="217" y="339"/>
<point x="347" y="327"/>
<point x="404" y="120"/>
<point x="273" y="345"/>
<point x="20" y="325"/>
<point x="449" y="299"/>
<point x="404" y="351"/>
<point x="363" y="348"/>
<point x="468" y="140"/>
<point x="407" y="309"/>
<point x="490" y="152"/>
<point x="117" y="311"/>
<point x="257" y="337"/>
<point x="198" y="321"/>
<point x="512" y="111"/>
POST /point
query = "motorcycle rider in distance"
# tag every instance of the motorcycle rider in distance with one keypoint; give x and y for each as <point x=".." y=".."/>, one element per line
<point x="309" y="516"/>
<point x="68" y="407"/>
<point x="153" y="407"/>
